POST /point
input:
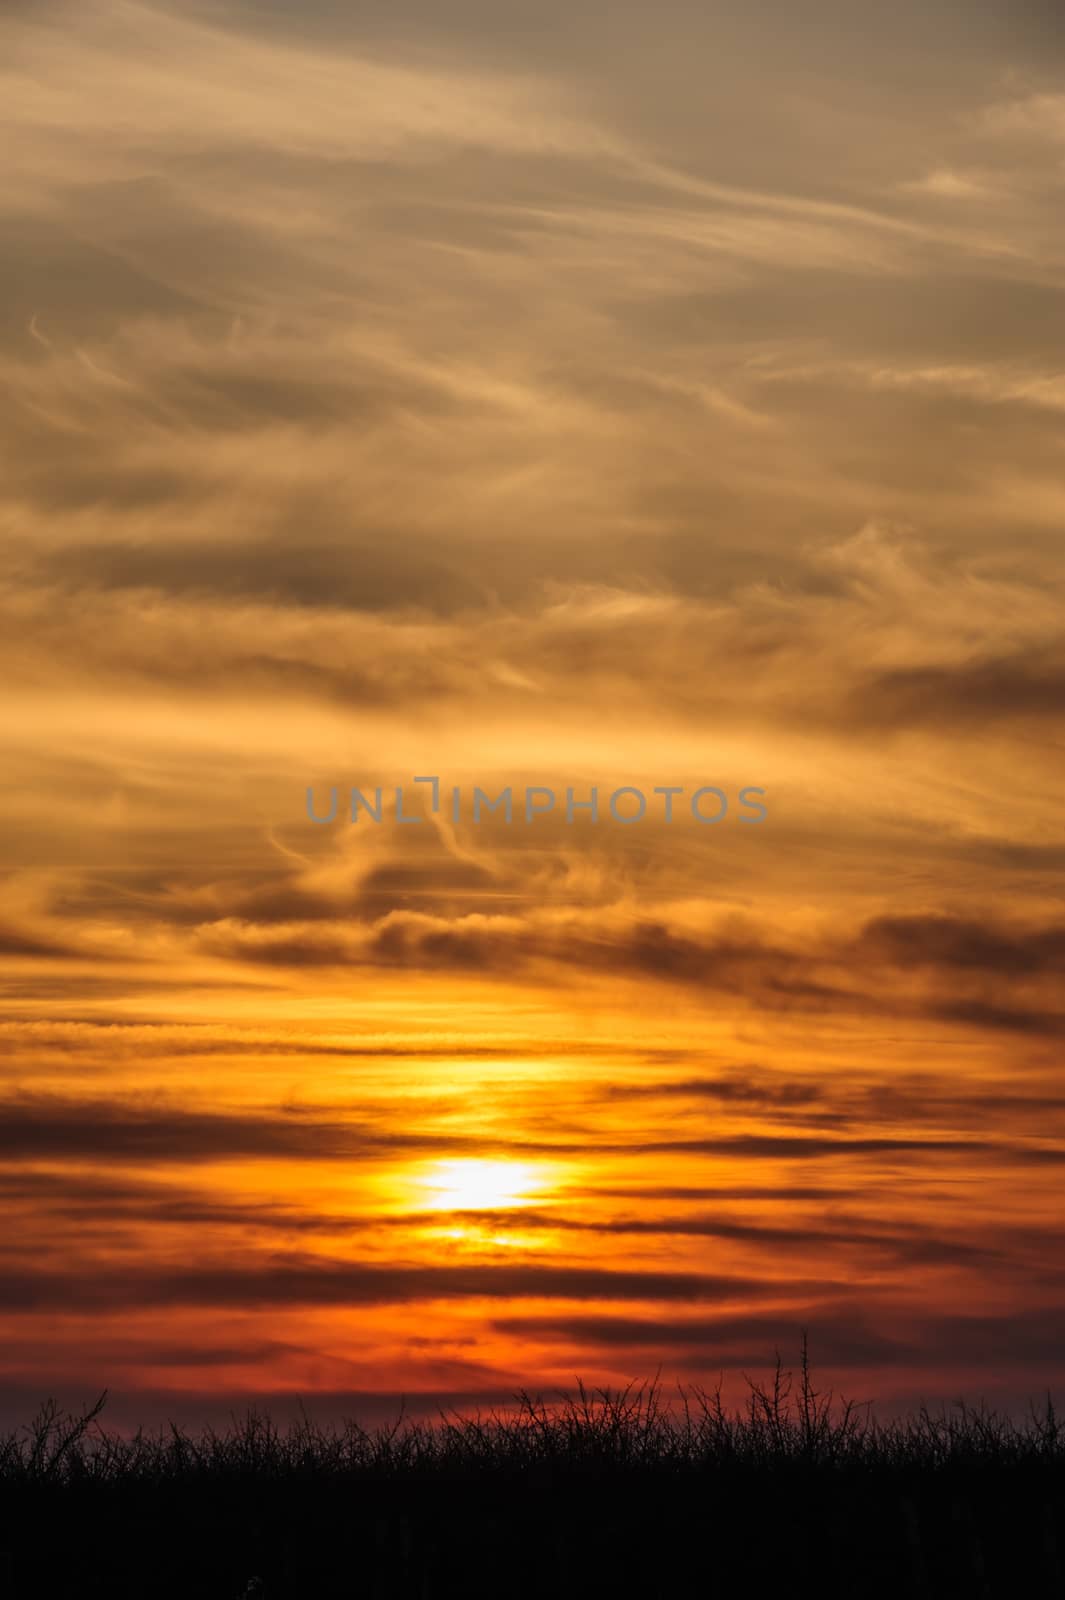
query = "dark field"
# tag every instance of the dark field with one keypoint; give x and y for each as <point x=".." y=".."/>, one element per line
<point x="632" y="1493"/>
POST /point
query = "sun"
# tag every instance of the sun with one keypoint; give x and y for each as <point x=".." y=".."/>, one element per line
<point x="474" y="1185"/>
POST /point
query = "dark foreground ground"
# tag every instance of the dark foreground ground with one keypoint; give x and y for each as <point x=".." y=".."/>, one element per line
<point x="630" y="1494"/>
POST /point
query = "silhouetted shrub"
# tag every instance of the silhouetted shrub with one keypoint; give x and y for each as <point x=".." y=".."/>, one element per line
<point x="604" y="1493"/>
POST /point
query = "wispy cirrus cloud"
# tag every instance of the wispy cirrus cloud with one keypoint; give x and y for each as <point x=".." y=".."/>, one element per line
<point x="527" y="401"/>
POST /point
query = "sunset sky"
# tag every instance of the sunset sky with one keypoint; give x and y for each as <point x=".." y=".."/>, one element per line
<point x="532" y="395"/>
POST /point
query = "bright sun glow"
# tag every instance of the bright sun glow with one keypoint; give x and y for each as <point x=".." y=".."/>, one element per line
<point x="473" y="1185"/>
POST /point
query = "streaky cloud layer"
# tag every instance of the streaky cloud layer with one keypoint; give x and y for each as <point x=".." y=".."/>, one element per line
<point x="537" y="395"/>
